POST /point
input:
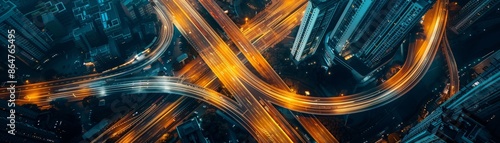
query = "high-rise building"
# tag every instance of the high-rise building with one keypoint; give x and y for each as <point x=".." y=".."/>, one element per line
<point x="31" y="43"/>
<point x="314" y="24"/>
<point x="339" y="39"/>
<point x="470" y="13"/>
<point x="400" y="19"/>
<point x="367" y="32"/>
<point x="467" y="116"/>
<point x="353" y="14"/>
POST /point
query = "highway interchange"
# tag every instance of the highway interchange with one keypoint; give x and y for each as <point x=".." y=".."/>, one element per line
<point x="254" y="96"/>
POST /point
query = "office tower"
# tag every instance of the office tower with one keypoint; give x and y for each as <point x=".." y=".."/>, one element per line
<point x="399" y="20"/>
<point x="339" y="39"/>
<point x="351" y="17"/>
<point x="31" y="43"/>
<point x="468" y="116"/>
<point x="470" y="13"/>
<point x="316" y="19"/>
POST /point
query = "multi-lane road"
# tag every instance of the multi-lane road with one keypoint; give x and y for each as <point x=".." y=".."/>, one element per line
<point x="252" y="54"/>
<point x="228" y="67"/>
<point x="416" y="65"/>
<point x="412" y="72"/>
<point x="452" y="68"/>
<point x="210" y="79"/>
<point x="40" y="93"/>
<point x="225" y="65"/>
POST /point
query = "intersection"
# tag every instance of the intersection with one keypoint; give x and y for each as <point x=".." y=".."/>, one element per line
<point x="254" y="96"/>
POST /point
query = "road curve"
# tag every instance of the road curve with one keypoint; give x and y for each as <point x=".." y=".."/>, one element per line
<point x="164" y="39"/>
<point x="417" y="63"/>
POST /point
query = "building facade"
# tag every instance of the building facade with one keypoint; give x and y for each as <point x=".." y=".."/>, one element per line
<point x="368" y="31"/>
<point x="402" y="17"/>
<point x="314" y="24"/>
<point x="470" y="13"/>
<point x="354" y="12"/>
<point x="340" y="38"/>
<point x="32" y="44"/>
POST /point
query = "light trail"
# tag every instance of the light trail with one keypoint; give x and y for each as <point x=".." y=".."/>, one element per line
<point x="212" y="49"/>
<point x="315" y="128"/>
<point x="30" y="91"/>
<point x="376" y="99"/>
<point x="142" y="128"/>
<point x="201" y="74"/>
<point x="413" y="70"/>
<point x="452" y="68"/>
<point x="252" y="54"/>
<point x="417" y="64"/>
<point x="418" y="54"/>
